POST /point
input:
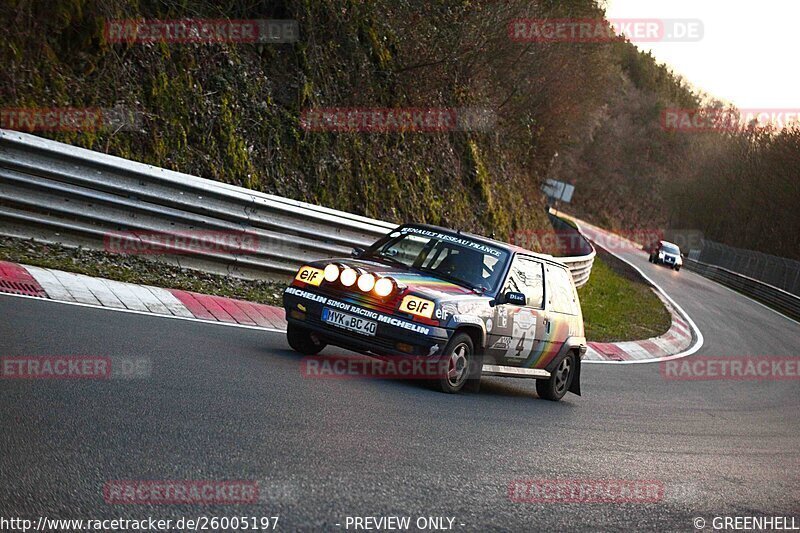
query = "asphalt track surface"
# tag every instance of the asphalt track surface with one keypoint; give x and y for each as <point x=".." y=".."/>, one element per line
<point x="226" y="403"/>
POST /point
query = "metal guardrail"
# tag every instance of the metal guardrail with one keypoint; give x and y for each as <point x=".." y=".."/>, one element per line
<point x="778" y="299"/>
<point x="580" y="264"/>
<point x="581" y="268"/>
<point x="57" y="193"/>
<point x="780" y="272"/>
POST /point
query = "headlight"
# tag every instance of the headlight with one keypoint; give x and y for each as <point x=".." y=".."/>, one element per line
<point x="331" y="273"/>
<point x="366" y="282"/>
<point x="348" y="277"/>
<point x="384" y="287"/>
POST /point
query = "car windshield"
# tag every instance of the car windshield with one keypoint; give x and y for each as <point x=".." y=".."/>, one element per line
<point x="456" y="258"/>
<point x="670" y="248"/>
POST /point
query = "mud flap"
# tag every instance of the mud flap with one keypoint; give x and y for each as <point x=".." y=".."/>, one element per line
<point x="575" y="386"/>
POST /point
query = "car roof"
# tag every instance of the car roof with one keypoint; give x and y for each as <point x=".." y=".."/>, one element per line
<point x="493" y="242"/>
<point x="671" y="244"/>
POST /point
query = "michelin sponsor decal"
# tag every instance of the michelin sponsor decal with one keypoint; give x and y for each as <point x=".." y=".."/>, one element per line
<point x="385" y="319"/>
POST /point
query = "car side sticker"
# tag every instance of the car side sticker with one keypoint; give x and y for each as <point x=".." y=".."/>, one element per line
<point x="502" y="318"/>
<point x="417" y="306"/>
<point x="502" y="343"/>
<point x="310" y="275"/>
<point x="524" y="333"/>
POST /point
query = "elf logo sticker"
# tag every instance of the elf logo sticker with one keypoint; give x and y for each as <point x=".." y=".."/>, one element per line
<point x="417" y="306"/>
<point x="310" y="275"/>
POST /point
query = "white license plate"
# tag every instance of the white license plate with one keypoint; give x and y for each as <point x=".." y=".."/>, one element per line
<point x="351" y="322"/>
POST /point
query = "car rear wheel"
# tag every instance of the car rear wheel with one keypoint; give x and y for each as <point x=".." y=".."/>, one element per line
<point x="677" y="268"/>
<point x="303" y="340"/>
<point x="556" y="386"/>
<point x="457" y="363"/>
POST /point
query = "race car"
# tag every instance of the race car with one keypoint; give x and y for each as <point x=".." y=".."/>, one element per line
<point x="476" y="305"/>
<point x="667" y="254"/>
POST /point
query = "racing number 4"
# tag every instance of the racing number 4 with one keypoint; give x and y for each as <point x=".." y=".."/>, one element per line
<point x="521" y="346"/>
<point x="525" y="332"/>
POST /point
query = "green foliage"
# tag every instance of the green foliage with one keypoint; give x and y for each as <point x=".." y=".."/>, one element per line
<point x="618" y="308"/>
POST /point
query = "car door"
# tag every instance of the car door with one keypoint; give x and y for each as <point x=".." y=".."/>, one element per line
<point x="517" y="330"/>
<point x="562" y="311"/>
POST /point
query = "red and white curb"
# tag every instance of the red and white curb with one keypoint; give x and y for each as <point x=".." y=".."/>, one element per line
<point x="85" y="290"/>
<point x="677" y="339"/>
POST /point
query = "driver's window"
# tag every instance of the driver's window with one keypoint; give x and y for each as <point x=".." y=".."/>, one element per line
<point x="527" y="276"/>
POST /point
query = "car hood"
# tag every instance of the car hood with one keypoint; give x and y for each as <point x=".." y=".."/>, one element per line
<point x="419" y="283"/>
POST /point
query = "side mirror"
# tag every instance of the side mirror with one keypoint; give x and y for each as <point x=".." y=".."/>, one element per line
<point x="357" y="252"/>
<point x="513" y="298"/>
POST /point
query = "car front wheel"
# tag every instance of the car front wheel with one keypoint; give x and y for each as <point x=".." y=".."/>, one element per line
<point x="457" y="363"/>
<point x="302" y="340"/>
<point x="556" y="386"/>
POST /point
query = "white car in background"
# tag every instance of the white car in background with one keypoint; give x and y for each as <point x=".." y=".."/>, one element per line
<point x="667" y="253"/>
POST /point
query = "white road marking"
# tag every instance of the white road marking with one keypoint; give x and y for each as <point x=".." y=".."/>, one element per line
<point x="765" y="306"/>
<point x="697" y="333"/>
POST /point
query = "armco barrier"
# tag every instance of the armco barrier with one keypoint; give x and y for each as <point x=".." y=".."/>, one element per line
<point x="778" y="299"/>
<point x="582" y="258"/>
<point x="58" y="193"/>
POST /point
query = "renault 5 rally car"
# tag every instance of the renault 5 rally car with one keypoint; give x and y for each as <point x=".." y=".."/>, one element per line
<point x="478" y="306"/>
<point x="666" y="253"/>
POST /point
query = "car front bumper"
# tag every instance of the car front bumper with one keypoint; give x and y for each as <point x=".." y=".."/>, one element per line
<point x="393" y="336"/>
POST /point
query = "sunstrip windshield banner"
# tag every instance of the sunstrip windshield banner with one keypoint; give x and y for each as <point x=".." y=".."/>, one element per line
<point x="452" y="238"/>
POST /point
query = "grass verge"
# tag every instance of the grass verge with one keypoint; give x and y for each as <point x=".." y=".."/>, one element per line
<point x="619" y="307"/>
<point x="136" y="269"/>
